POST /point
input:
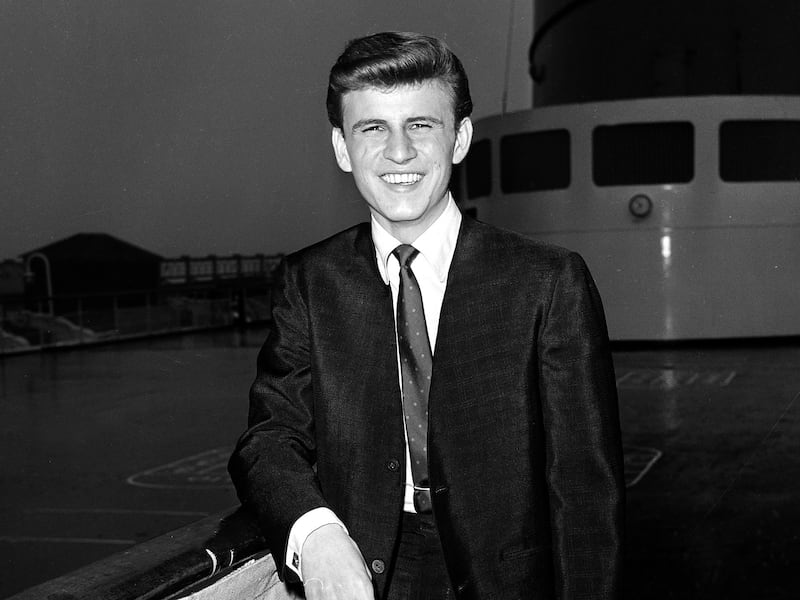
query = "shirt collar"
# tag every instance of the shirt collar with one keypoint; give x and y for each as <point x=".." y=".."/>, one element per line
<point x="436" y="244"/>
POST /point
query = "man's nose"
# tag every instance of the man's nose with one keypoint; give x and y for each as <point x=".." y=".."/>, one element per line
<point x="399" y="147"/>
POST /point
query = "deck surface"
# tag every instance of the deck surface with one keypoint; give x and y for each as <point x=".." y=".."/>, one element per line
<point x="101" y="448"/>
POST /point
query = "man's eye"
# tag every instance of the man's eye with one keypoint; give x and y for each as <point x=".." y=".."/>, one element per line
<point x="420" y="126"/>
<point x="371" y="128"/>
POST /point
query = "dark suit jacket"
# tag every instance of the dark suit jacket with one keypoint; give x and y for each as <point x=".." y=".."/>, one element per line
<point x="525" y="458"/>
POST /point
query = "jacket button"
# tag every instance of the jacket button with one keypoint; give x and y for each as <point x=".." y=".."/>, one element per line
<point x="441" y="489"/>
<point x="392" y="465"/>
<point x="378" y="566"/>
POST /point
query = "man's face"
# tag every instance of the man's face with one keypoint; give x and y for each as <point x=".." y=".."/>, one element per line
<point x="400" y="144"/>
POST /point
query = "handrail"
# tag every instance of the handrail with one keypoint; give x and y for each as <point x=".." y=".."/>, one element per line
<point x="162" y="566"/>
<point x="81" y="320"/>
<point x="188" y="269"/>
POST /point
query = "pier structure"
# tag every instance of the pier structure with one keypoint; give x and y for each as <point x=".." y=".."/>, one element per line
<point x="93" y="288"/>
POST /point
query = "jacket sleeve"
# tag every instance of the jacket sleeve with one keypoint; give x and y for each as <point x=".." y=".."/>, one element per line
<point x="585" y="471"/>
<point x="272" y="466"/>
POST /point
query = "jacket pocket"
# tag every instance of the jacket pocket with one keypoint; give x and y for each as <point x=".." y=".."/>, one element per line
<point x="527" y="569"/>
<point x="520" y="551"/>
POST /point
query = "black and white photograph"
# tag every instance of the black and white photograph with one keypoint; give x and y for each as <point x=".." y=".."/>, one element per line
<point x="431" y="300"/>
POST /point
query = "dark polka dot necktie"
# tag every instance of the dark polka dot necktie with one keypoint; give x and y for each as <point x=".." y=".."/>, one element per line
<point x="415" y="365"/>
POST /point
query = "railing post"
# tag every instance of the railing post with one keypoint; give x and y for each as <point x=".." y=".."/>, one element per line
<point x="116" y="316"/>
<point x="187" y="260"/>
<point x="244" y="306"/>
<point x="147" y="323"/>
<point x="39" y="329"/>
<point x="80" y="320"/>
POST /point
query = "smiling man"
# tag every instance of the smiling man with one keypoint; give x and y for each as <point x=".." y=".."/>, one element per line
<point x="434" y="413"/>
<point x="400" y="144"/>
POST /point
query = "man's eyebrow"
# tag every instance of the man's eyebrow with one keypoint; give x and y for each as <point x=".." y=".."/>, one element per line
<point x="425" y="118"/>
<point x="365" y="122"/>
<point x="369" y="122"/>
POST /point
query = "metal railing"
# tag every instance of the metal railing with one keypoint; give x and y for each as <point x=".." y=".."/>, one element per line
<point x="75" y="320"/>
<point x="187" y="269"/>
<point x="166" y="567"/>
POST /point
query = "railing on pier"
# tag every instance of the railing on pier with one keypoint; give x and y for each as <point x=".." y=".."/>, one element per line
<point x="188" y="269"/>
<point x="219" y="557"/>
<point x="195" y="294"/>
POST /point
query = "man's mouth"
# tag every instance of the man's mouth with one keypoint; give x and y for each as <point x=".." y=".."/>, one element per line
<point x="402" y="178"/>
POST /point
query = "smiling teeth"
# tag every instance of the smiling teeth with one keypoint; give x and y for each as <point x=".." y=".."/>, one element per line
<point x="401" y="178"/>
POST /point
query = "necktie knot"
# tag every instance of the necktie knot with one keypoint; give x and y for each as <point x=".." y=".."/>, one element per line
<point x="405" y="254"/>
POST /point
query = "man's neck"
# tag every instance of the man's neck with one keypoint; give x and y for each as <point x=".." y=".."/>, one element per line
<point x="407" y="232"/>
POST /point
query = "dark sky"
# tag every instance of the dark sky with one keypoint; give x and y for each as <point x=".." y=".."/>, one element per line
<point x="198" y="126"/>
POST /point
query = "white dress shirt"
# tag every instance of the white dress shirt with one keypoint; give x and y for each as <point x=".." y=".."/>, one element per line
<point x="436" y="247"/>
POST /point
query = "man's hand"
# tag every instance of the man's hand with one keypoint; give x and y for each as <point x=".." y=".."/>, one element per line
<point x="333" y="568"/>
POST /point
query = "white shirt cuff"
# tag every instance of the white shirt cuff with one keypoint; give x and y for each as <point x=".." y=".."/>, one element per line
<point x="302" y="528"/>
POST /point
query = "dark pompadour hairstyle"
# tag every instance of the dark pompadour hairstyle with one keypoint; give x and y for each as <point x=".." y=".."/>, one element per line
<point x="389" y="59"/>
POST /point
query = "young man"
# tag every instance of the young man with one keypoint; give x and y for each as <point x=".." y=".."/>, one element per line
<point x="491" y="469"/>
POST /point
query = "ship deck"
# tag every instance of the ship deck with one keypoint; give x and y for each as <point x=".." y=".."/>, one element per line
<point x="105" y="447"/>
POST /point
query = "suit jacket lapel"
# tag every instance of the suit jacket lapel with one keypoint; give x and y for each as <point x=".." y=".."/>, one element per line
<point x="369" y="299"/>
<point x="463" y="306"/>
<point x="377" y="344"/>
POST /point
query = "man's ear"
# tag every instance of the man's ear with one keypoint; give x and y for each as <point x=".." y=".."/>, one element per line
<point x="340" y="150"/>
<point x="463" y="140"/>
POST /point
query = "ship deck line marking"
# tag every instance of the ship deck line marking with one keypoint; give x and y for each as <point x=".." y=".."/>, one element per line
<point x="192" y="472"/>
<point x="116" y="511"/>
<point x="177" y="462"/>
<point x="673" y="377"/>
<point x="654" y="453"/>
<point x="178" y="486"/>
<point x="65" y="540"/>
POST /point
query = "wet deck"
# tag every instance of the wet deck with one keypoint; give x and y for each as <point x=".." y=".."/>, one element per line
<point x="104" y="447"/>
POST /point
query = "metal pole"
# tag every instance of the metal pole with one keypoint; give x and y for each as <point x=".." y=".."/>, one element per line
<point x="80" y="320"/>
<point x="40" y="327"/>
<point x="147" y="312"/>
<point x="116" y="316"/>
